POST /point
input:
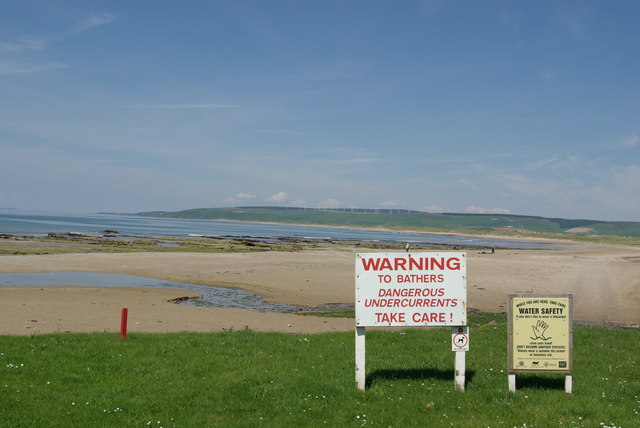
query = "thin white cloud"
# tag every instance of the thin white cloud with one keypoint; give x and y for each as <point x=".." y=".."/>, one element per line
<point x="475" y="166"/>
<point x="278" y="197"/>
<point x="482" y="210"/>
<point x="239" y="198"/>
<point x="281" y="131"/>
<point x="468" y="183"/>
<point x="433" y="208"/>
<point x="95" y="20"/>
<point x="626" y="179"/>
<point x="24" y="43"/>
<point x="570" y="162"/>
<point x="241" y="195"/>
<point x="388" y="204"/>
<point x="29" y="43"/>
<point x="231" y="200"/>
<point x="628" y="143"/>
<point x="350" y="161"/>
<point x="618" y="194"/>
<point x="543" y="188"/>
<point x="18" y="68"/>
<point x="541" y="163"/>
<point x="182" y="106"/>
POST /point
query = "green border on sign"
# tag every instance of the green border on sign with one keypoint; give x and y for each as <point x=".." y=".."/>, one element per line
<point x="540" y="333"/>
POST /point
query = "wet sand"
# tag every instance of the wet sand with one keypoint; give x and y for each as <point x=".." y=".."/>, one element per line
<point x="604" y="279"/>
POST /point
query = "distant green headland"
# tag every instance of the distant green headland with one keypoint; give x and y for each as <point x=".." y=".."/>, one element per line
<point x="506" y="224"/>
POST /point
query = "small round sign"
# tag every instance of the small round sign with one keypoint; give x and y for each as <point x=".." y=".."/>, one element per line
<point x="460" y="340"/>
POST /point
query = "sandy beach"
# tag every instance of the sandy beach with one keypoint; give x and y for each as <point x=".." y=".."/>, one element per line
<point x="604" y="279"/>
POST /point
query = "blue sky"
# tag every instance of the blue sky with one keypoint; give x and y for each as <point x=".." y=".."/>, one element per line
<point x="522" y="107"/>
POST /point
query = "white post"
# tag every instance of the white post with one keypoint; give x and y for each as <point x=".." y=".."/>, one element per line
<point x="512" y="382"/>
<point x="568" y="383"/>
<point x="360" y="358"/>
<point x="460" y="370"/>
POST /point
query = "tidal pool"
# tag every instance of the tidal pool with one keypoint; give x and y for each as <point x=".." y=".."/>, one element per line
<point x="219" y="297"/>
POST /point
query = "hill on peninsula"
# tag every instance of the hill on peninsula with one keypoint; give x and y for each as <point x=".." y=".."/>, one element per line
<point x="410" y="219"/>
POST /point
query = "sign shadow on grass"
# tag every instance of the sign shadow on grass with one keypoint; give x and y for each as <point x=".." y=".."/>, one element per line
<point x="540" y="382"/>
<point x="414" y="374"/>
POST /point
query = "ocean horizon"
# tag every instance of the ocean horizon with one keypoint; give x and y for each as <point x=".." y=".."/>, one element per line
<point x="40" y="223"/>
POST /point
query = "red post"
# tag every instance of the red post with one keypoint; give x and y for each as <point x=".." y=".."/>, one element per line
<point x="123" y="324"/>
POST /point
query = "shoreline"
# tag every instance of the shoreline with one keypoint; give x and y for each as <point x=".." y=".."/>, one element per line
<point x="400" y="230"/>
<point x="560" y="239"/>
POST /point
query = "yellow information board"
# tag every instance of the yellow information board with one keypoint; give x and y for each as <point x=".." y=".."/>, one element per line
<point x="540" y="333"/>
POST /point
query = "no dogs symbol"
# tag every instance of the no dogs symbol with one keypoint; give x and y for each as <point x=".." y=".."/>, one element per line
<point x="460" y="339"/>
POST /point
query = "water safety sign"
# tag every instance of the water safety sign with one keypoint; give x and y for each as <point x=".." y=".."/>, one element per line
<point x="540" y="333"/>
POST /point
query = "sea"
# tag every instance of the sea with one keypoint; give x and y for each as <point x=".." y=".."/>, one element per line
<point x="41" y="223"/>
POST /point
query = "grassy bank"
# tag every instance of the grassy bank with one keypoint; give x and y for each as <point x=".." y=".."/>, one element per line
<point x="502" y="224"/>
<point x="242" y="378"/>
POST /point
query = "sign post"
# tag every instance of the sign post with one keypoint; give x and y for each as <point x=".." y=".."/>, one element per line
<point x="123" y="323"/>
<point x="360" y="358"/>
<point x="460" y="345"/>
<point x="410" y="290"/>
<point x="540" y="335"/>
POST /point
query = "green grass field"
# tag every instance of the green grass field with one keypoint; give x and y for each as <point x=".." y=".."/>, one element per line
<point x="248" y="379"/>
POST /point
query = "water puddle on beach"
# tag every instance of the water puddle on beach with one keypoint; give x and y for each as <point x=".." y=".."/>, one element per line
<point x="218" y="297"/>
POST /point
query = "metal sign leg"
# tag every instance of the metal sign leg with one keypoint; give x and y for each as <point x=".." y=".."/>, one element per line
<point x="460" y="367"/>
<point x="360" y="358"/>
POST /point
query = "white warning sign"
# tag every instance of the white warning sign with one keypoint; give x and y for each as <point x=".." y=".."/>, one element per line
<point x="411" y="289"/>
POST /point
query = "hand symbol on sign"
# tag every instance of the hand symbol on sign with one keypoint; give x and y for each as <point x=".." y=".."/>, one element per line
<point x="538" y="330"/>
